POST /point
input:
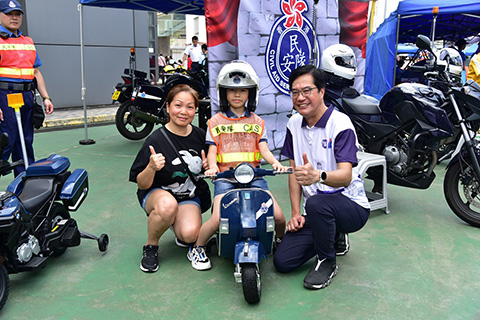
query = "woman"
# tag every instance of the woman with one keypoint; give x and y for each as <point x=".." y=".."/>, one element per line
<point x="165" y="191"/>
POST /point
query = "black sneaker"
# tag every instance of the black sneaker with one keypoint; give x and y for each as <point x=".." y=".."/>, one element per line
<point x="342" y="244"/>
<point x="321" y="274"/>
<point x="150" y="259"/>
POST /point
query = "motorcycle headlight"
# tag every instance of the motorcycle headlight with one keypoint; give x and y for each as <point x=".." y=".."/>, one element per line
<point x="244" y="173"/>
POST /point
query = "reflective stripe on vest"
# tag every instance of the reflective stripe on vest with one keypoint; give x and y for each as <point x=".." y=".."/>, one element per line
<point x="239" y="157"/>
<point x="17" y="73"/>
<point x="235" y="128"/>
<point x="17" y="46"/>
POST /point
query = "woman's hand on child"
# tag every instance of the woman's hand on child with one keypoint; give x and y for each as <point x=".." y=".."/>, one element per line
<point x="157" y="160"/>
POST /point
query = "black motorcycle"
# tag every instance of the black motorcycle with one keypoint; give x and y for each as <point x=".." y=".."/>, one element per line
<point x="136" y="118"/>
<point x="35" y="220"/>
<point x="131" y="79"/>
<point x="411" y="125"/>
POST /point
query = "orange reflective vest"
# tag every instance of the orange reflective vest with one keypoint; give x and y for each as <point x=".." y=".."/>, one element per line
<point x="236" y="139"/>
<point x="17" y="57"/>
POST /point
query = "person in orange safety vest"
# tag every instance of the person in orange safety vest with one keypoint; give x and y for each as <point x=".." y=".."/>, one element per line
<point x="19" y="64"/>
<point x="235" y="135"/>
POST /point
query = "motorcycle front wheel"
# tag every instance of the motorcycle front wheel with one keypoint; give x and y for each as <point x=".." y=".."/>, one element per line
<point x="461" y="191"/>
<point x="4" y="286"/>
<point x="129" y="126"/>
<point x="251" y="282"/>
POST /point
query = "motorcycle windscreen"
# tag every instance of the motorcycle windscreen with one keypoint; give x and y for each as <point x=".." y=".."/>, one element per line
<point x="245" y="213"/>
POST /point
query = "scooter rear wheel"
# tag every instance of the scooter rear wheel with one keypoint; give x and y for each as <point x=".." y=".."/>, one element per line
<point x="59" y="212"/>
<point x="130" y="126"/>
<point x="251" y="282"/>
<point x="4" y="286"/>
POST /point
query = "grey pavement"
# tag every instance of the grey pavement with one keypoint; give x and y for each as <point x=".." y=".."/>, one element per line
<point x="75" y="116"/>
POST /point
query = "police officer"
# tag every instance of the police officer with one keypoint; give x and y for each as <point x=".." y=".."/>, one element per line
<point x="19" y="64"/>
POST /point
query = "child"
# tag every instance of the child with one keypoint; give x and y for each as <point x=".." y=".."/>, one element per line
<point x="237" y="82"/>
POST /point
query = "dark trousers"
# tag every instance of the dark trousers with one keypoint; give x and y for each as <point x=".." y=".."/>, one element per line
<point x="9" y="125"/>
<point x="194" y="67"/>
<point x="327" y="214"/>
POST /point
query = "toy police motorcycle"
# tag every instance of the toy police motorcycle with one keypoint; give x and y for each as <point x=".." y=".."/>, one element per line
<point x="35" y="221"/>
<point x="247" y="227"/>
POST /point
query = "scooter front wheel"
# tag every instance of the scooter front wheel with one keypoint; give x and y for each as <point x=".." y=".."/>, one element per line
<point x="130" y="126"/>
<point x="4" y="286"/>
<point x="251" y="282"/>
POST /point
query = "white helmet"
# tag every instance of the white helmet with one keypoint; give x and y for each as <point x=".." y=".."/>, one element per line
<point x="238" y="74"/>
<point x="340" y="60"/>
<point x="451" y="57"/>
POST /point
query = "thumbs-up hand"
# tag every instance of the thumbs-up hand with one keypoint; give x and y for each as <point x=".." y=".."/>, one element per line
<point x="157" y="160"/>
<point x="204" y="161"/>
<point x="306" y="173"/>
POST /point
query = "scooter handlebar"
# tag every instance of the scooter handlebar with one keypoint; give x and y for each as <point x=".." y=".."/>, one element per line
<point x="259" y="172"/>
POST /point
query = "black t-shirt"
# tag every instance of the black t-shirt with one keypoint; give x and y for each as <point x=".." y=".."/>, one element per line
<point x="173" y="177"/>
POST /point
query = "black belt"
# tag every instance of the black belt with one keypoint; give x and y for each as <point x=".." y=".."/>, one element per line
<point x="25" y="86"/>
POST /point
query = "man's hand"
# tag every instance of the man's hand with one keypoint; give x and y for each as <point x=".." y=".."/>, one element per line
<point x="48" y="106"/>
<point x="306" y="175"/>
<point x="296" y="223"/>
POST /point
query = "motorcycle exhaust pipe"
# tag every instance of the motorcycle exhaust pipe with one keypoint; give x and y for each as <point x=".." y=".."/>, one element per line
<point x="144" y="115"/>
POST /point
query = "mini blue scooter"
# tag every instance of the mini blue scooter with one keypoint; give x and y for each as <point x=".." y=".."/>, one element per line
<point x="247" y="227"/>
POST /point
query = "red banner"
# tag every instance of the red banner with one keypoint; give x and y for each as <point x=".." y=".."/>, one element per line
<point x="352" y="15"/>
<point x="221" y="19"/>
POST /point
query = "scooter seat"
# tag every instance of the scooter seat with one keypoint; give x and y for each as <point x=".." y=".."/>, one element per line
<point x="35" y="192"/>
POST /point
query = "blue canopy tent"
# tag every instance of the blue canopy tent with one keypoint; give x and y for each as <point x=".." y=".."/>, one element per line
<point x="165" y="6"/>
<point x="456" y="19"/>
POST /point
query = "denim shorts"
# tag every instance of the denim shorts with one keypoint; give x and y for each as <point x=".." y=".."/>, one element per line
<point x="223" y="186"/>
<point x="195" y="200"/>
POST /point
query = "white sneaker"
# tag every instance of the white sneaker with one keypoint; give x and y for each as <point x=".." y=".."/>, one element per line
<point x="199" y="259"/>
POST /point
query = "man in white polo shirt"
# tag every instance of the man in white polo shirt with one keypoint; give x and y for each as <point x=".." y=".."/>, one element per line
<point x="194" y="50"/>
<point x="321" y="146"/>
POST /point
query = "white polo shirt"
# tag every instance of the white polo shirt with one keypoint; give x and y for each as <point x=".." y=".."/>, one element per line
<point x="330" y="141"/>
<point x="194" y="52"/>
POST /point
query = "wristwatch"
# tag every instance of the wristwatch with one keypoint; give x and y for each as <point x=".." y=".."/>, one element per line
<point x="323" y="176"/>
<point x="46" y="98"/>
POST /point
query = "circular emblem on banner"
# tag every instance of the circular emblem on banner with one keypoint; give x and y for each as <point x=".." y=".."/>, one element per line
<point x="289" y="46"/>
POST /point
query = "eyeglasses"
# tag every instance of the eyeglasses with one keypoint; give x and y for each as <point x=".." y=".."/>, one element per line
<point x="305" y="92"/>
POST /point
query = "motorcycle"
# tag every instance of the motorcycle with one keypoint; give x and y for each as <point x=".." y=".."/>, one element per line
<point x="131" y="79"/>
<point x="35" y="220"/>
<point x="411" y="125"/>
<point x="246" y="228"/>
<point x="136" y="118"/>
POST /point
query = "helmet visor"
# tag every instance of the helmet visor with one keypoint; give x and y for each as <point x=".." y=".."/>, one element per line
<point x="346" y="61"/>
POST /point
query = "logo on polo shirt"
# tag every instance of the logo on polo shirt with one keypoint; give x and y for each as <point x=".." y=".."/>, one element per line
<point x="327" y="145"/>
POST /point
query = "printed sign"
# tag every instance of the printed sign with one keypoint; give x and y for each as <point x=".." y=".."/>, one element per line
<point x="290" y="43"/>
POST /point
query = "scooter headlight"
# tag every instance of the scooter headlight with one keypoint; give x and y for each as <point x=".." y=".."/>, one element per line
<point x="244" y="173"/>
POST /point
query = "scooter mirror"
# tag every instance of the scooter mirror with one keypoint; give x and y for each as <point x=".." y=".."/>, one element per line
<point x="423" y="42"/>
